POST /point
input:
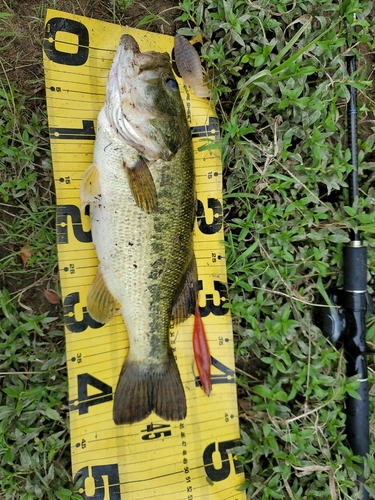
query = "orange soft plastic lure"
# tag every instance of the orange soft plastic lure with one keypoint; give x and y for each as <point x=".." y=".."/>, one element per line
<point x="201" y="351"/>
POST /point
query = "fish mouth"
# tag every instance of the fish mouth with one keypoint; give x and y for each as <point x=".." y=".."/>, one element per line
<point x="145" y="61"/>
<point x="127" y="42"/>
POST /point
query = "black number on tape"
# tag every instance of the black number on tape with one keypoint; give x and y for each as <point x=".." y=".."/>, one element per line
<point x="151" y="434"/>
<point x="72" y="324"/>
<point x="226" y="462"/>
<point x="226" y="377"/>
<point x="87" y="132"/>
<point x="100" y="482"/>
<point x="84" y="401"/>
<point x="210" y="306"/>
<point x="77" y="53"/>
<point x="217" y="222"/>
<point x="65" y="211"/>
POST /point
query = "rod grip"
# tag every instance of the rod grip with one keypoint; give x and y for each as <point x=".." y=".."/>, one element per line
<point x="357" y="411"/>
<point x="355" y="268"/>
<point x="357" y="423"/>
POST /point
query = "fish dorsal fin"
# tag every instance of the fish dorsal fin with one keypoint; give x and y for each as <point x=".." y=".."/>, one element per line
<point x="142" y="185"/>
<point x="189" y="65"/>
<point x="187" y="294"/>
<point x="90" y="185"/>
<point x="101" y="304"/>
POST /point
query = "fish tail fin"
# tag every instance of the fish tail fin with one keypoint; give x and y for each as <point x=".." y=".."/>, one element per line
<point x="143" y="389"/>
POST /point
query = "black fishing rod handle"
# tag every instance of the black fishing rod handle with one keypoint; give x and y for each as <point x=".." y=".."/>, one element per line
<point x="357" y="425"/>
<point x="357" y="410"/>
<point x="355" y="268"/>
<point x="357" y="421"/>
<point x="354" y="341"/>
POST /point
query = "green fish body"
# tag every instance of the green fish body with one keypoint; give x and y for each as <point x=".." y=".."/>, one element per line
<point x="141" y="192"/>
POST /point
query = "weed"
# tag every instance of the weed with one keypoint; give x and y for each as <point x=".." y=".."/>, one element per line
<point x="33" y="432"/>
<point x="34" y="454"/>
<point x="150" y="18"/>
<point x="7" y="32"/>
<point x="25" y="187"/>
<point x="124" y="4"/>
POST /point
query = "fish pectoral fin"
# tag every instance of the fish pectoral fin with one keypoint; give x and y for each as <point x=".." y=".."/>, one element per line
<point x="142" y="185"/>
<point x="89" y="189"/>
<point x="145" y="388"/>
<point x="187" y="294"/>
<point x="101" y="304"/>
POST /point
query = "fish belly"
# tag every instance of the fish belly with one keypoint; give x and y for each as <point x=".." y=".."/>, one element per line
<point x="122" y="234"/>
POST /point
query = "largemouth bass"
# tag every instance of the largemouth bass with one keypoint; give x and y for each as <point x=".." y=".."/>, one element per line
<point x="141" y="192"/>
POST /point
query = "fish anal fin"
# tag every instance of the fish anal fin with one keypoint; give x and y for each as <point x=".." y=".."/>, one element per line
<point x="101" y="304"/>
<point x="142" y="185"/>
<point x="187" y="294"/>
<point x="89" y="189"/>
<point x="143" y="389"/>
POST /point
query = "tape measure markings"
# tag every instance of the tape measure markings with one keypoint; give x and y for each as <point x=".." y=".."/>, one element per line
<point x="221" y="372"/>
<point x="78" y="264"/>
<point x="92" y="73"/>
<point x="97" y="341"/>
<point x="76" y="94"/>
<point x="99" y="452"/>
<point x="69" y="217"/>
<point x="146" y="461"/>
<point x="85" y="368"/>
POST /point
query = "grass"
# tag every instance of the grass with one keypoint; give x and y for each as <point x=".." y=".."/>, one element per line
<point x="280" y="81"/>
<point x="33" y="429"/>
<point x="280" y="86"/>
<point x="34" y="438"/>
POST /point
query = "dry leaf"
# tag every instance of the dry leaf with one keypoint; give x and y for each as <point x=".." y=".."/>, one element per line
<point x="25" y="254"/>
<point x="52" y="296"/>
<point x="244" y="403"/>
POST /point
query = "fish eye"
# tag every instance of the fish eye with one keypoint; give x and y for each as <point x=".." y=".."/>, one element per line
<point x="172" y="84"/>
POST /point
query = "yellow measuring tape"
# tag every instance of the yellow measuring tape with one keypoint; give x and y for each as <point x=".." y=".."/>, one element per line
<point x="187" y="460"/>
